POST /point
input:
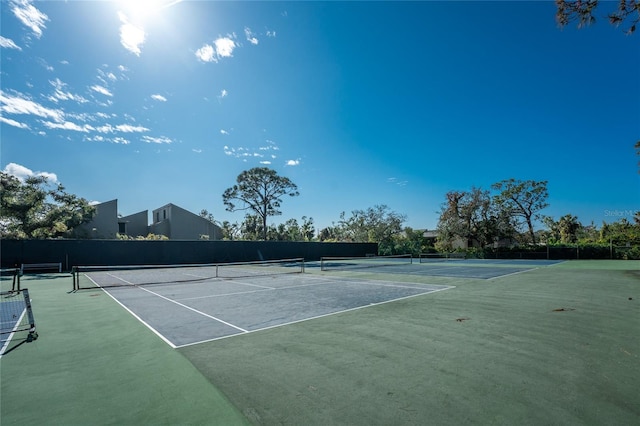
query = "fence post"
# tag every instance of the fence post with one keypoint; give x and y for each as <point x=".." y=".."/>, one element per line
<point x="611" y="248"/>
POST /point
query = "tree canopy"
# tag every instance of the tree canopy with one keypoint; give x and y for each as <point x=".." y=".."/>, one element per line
<point x="36" y="208"/>
<point x="523" y="200"/>
<point x="473" y="216"/>
<point x="259" y="190"/>
<point x="477" y="216"/>
<point x="582" y="11"/>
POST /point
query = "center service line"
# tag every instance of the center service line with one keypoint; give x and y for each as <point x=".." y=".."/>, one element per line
<point x="194" y="310"/>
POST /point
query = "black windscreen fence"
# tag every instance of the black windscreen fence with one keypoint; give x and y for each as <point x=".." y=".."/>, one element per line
<point x="167" y="252"/>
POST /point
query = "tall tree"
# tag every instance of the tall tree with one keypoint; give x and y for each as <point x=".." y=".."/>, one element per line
<point x="569" y="227"/>
<point x="377" y="224"/>
<point x="36" y="208"/>
<point x="472" y="216"/>
<point x="260" y="190"/>
<point x="522" y="200"/>
<point x="583" y="12"/>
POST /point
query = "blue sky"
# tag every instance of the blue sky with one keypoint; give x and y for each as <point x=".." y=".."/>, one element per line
<point x="359" y="103"/>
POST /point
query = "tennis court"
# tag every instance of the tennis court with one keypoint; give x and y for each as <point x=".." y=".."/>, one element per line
<point x="435" y="267"/>
<point x="190" y="305"/>
<point x="551" y="345"/>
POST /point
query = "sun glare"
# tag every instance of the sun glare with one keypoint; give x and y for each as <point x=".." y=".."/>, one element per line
<point x="142" y="10"/>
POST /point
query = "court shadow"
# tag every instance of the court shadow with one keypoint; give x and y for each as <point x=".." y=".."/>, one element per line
<point x="16" y="343"/>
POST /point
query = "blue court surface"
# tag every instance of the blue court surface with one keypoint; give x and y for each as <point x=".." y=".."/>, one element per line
<point x="459" y="268"/>
<point x="192" y="312"/>
<point x="196" y="308"/>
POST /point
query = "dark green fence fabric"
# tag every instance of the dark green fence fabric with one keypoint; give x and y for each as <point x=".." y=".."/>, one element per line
<point x="123" y="252"/>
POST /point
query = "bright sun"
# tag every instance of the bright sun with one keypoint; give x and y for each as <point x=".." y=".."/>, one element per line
<point x="141" y="10"/>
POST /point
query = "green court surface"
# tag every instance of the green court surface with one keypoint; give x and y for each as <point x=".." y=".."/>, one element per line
<point x="552" y="345"/>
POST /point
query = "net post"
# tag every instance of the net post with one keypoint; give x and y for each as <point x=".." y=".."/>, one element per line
<point x="302" y="265"/>
<point x="73" y="275"/>
<point x="27" y="302"/>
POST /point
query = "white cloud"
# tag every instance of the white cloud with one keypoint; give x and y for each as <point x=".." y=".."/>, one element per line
<point x="206" y="54"/>
<point x="101" y="90"/>
<point x="293" y="162"/>
<point x="67" y="125"/>
<point x="223" y="94"/>
<point x="240" y="152"/>
<point x="159" y="98"/>
<point x="160" y="140"/>
<point x="266" y="162"/>
<point x="397" y="181"/>
<point x="222" y="48"/>
<point x="198" y="151"/>
<point x="224" y="132"/>
<point x="271" y="146"/>
<point x="251" y="38"/>
<point x="127" y="128"/>
<point x="29" y="16"/>
<point x="20" y="105"/>
<point x="8" y="43"/>
<point x="22" y="173"/>
<point x="60" y="95"/>
<point x="271" y="33"/>
<point x="131" y="37"/>
<point x="13" y="123"/>
<point x="124" y="128"/>
<point x="120" y="140"/>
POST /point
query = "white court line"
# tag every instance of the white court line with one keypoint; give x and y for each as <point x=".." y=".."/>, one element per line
<point x="169" y="300"/>
<point x="194" y="310"/>
<point x="342" y="280"/>
<point x="513" y="273"/>
<point x="247" y="284"/>
<point x="237" y="293"/>
<point x="156" y="332"/>
<point x="112" y="276"/>
<point x="6" y="343"/>
<point x="324" y="280"/>
<point x="318" y="316"/>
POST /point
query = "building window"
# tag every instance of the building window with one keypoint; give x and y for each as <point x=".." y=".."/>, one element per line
<point x="157" y="216"/>
<point x="122" y="228"/>
<point x="164" y="214"/>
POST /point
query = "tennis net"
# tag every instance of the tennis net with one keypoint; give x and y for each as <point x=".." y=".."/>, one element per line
<point x="344" y="263"/>
<point x="16" y="313"/>
<point x="86" y="277"/>
<point x="9" y="279"/>
<point x="441" y="257"/>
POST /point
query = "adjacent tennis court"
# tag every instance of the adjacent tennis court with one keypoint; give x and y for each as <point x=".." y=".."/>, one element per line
<point x="434" y="266"/>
